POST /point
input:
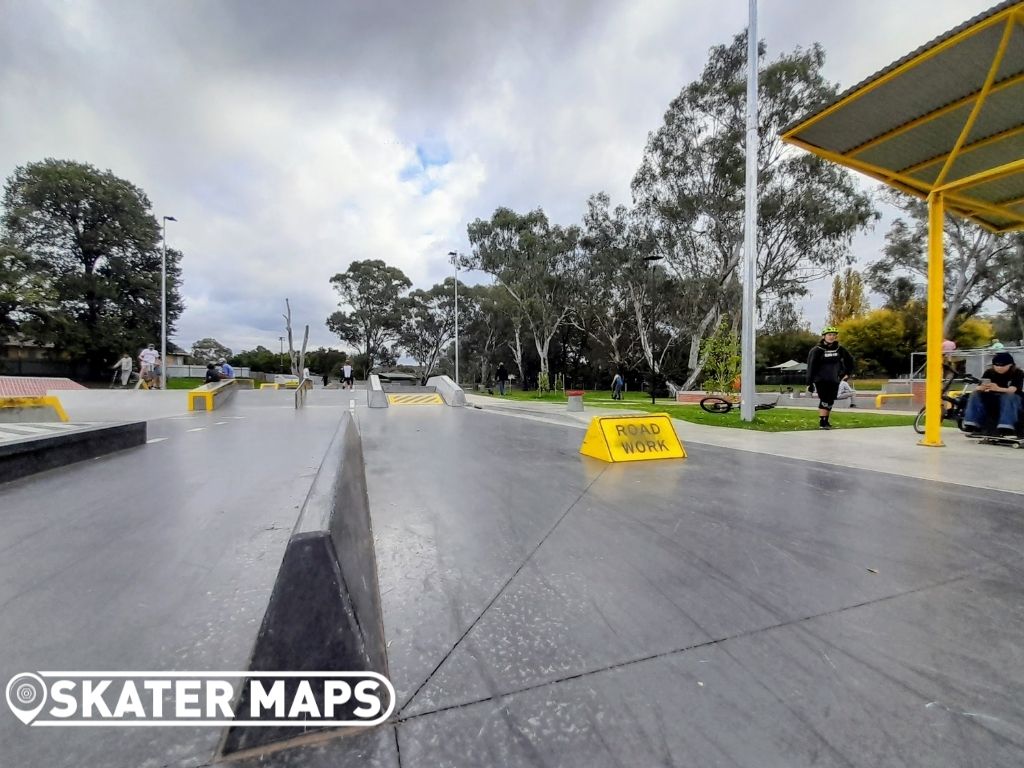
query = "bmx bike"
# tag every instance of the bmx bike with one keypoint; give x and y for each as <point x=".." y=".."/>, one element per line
<point x="717" y="404"/>
<point x="953" y="408"/>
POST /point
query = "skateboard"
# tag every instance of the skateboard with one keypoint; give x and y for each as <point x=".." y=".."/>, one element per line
<point x="1016" y="442"/>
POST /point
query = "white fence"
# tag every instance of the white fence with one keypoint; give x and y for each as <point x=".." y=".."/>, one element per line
<point x="199" y="371"/>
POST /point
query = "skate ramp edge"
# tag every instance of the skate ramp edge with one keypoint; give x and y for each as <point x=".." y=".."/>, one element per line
<point x="448" y="389"/>
<point x="376" y="397"/>
<point x="324" y="611"/>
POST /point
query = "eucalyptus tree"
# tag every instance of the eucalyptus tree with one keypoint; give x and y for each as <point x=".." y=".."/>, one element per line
<point x="429" y="323"/>
<point x="371" y="315"/>
<point x="536" y="262"/>
<point x="689" y="189"/>
<point x="980" y="265"/>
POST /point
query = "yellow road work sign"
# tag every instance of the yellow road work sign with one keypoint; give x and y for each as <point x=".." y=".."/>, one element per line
<point x="431" y="398"/>
<point x="632" y="438"/>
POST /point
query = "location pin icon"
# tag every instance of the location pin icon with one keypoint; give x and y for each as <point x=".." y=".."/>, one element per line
<point x="26" y="695"/>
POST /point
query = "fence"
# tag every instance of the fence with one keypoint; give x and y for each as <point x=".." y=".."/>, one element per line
<point x="199" y="371"/>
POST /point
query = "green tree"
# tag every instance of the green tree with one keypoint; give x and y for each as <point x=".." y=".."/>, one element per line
<point x="878" y="342"/>
<point x="974" y="333"/>
<point x="536" y="262"/>
<point x="430" y="324"/>
<point x="848" y="297"/>
<point x="21" y="291"/>
<point x="372" y="293"/>
<point x="95" y="248"/>
<point x="979" y="265"/>
<point x="259" y="359"/>
<point x="690" y="186"/>
<point x="484" y="328"/>
<point x="721" y="353"/>
<point x="324" y="360"/>
<point x="209" y="351"/>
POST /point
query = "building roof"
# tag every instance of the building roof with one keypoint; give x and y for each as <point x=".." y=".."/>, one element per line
<point x="947" y="117"/>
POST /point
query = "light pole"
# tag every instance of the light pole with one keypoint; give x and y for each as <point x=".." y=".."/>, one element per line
<point x="455" y="261"/>
<point x="748" y="391"/>
<point x="163" y="307"/>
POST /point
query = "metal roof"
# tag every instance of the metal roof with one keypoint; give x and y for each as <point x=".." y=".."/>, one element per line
<point x="947" y="117"/>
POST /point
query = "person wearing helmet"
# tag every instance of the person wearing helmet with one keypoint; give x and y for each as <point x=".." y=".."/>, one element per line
<point x="225" y="370"/>
<point x="827" y="365"/>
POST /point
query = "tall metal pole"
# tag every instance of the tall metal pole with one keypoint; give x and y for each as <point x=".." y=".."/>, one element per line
<point x="163" y="306"/>
<point x="456" y="319"/>
<point x="747" y="388"/>
<point x="455" y="261"/>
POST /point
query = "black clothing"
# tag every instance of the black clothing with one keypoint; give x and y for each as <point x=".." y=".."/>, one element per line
<point x="212" y="376"/>
<point x="502" y="373"/>
<point x="827" y="391"/>
<point x="1014" y="377"/>
<point x="828" y="363"/>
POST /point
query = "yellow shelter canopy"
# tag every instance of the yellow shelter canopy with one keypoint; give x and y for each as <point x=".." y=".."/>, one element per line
<point x="947" y="118"/>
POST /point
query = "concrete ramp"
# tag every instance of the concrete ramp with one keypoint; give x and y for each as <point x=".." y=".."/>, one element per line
<point x="324" y="612"/>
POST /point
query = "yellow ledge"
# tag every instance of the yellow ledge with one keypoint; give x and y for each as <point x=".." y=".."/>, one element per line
<point x="47" y="401"/>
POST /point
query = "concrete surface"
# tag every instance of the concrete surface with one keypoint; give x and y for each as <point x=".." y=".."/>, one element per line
<point x="122" y="404"/>
<point x="541" y="608"/>
<point x="891" y="450"/>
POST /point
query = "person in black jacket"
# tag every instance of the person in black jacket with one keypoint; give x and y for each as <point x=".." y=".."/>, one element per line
<point x="827" y="365"/>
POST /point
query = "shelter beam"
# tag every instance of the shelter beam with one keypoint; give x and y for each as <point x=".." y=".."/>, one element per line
<point x="933" y="364"/>
<point x="979" y="102"/>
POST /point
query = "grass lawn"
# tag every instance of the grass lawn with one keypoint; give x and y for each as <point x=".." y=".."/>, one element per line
<point x="184" y="383"/>
<point x="775" y="420"/>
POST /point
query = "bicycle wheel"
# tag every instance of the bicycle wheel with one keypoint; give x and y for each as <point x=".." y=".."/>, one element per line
<point x="919" y="422"/>
<point x="716" y="405"/>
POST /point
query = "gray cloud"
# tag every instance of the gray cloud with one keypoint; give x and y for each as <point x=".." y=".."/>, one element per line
<point x="284" y="136"/>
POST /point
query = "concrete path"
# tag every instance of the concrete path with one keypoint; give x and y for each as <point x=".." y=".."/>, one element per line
<point x="891" y="450"/>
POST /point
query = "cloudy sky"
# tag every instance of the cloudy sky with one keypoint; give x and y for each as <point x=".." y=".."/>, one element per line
<point x="290" y="138"/>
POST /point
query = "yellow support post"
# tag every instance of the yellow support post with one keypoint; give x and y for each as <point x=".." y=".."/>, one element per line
<point x="933" y="366"/>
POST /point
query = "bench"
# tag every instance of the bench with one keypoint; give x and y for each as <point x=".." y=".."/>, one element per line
<point x="211" y="395"/>
<point x="882" y="397"/>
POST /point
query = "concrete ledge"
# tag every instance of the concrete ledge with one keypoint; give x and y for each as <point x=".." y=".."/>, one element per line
<point x="211" y="395"/>
<point x="448" y="389"/>
<point x="36" y="454"/>
<point x="375" y="395"/>
<point x="324" y="612"/>
<point x="37" y="408"/>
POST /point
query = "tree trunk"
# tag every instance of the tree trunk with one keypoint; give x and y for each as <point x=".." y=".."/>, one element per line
<point x="695" y="363"/>
<point x="517" y="354"/>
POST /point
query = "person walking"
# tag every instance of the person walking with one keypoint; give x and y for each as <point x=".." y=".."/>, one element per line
<point x="346" y="372"/>
<point x="617" y="384"/>
<point x="502" y="375"/>
<point x="827" y="364"/>
<point x="125" y="364"/>
<point x="147" y="359"/>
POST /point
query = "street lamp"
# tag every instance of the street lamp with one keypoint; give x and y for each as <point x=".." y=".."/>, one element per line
<point x="163" y="307"/>
<point x="455" y="261"/>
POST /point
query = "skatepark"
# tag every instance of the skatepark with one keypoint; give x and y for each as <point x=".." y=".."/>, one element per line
<point x="742" y="606"/>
